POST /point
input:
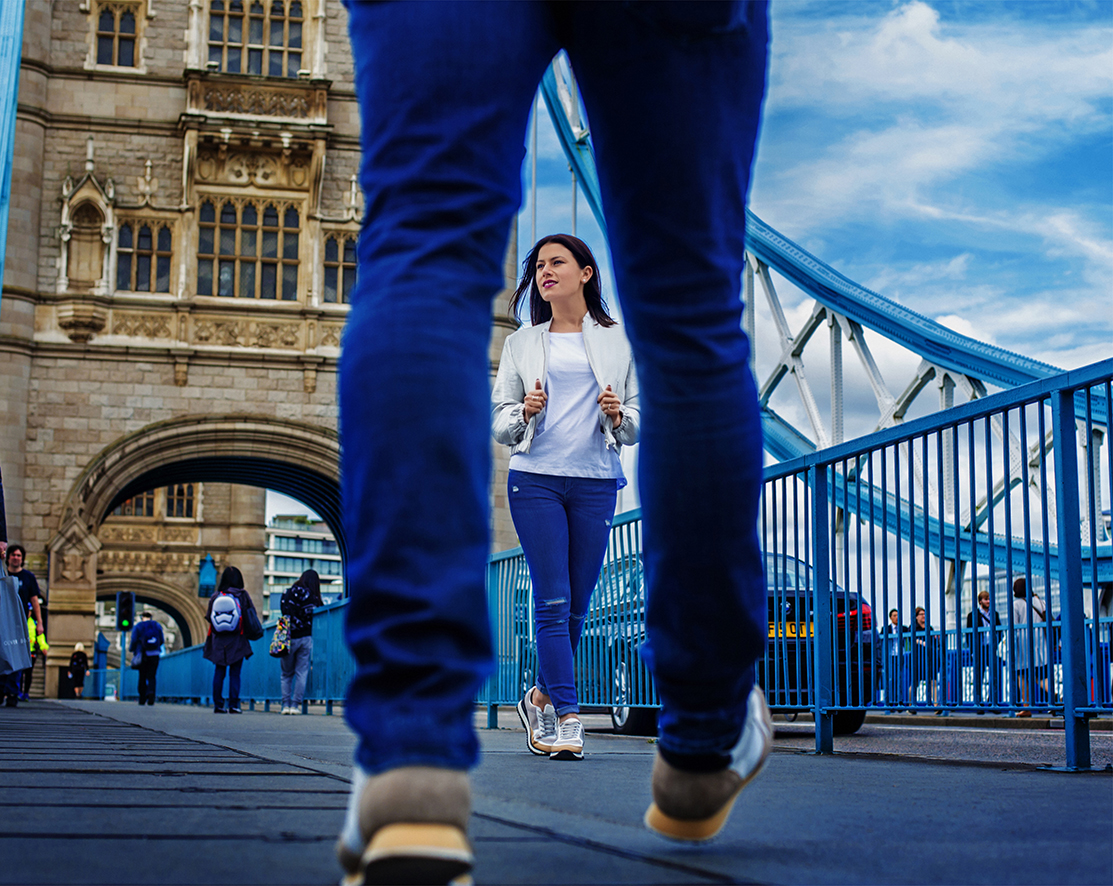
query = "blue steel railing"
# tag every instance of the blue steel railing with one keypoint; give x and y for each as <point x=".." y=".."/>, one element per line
<point x="186" y="676"/>
<point x="849" y="533"/>
<point x="885" y="520"/>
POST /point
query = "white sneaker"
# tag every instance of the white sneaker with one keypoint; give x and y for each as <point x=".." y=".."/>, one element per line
<point x="294" y="711"/>
<point x="540" y="725"/>
<point x="569" y="744"/>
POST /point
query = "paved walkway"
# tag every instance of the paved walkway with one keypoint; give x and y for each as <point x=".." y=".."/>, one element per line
<point x="95" y="792"/>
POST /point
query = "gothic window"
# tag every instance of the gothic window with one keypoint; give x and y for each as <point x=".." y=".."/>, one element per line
<point x="142" y="505"/>
<point x="256" y="37"/>
<point x="143" y="257"/>
<point x="340" y="268"/>
<point x="179" y="500"/>
<point x="116" y="36"/>
<point x="248" y="253"/>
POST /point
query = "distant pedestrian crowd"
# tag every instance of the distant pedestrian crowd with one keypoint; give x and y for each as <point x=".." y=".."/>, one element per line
<point x="923" y="666"/>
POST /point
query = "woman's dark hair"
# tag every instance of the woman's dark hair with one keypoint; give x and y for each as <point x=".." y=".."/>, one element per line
<point x="311" y="581"/>
<point x="1020" y="587"/>
<point x="231" y="577"/>
<point x="540" y="311"/>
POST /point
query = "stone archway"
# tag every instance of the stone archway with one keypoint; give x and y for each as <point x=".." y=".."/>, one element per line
<point x="296" y="458"/>
<point x="176" y="602"/>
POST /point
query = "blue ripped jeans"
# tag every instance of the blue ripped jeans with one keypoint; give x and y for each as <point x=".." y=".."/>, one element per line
<point x="563" y="524"/>
<point x="673" y="91"/>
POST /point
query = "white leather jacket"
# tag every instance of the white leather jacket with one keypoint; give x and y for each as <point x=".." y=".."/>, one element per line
<point x="525" y="358"/>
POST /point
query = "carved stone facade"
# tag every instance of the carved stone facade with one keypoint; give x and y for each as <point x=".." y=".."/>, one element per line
<point x="170" y="298"/>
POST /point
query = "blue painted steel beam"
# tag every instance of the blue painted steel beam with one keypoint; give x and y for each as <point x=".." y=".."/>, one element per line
<point x="11" y="47"/>
<point x="942" y="539"/>
<point x="925" y="337"/>
<point x="1075" y="725"/>
<point x="577" y="147"/>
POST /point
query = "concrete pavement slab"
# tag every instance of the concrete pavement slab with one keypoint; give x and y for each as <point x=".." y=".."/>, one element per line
<point x="95" y="793"/>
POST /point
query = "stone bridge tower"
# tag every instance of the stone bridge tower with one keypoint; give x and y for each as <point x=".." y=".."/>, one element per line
<point x="180" y="252"/>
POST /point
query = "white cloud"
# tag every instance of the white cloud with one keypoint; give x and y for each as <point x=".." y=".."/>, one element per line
<point x="963" y="327"/>
<point x="908" y="103"/>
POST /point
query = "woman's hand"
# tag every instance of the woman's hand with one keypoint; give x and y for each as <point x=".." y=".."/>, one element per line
<point x="534" y="401"/>
<point x="611" y="405"/>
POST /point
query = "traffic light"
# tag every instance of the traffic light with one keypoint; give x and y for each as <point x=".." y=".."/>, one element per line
<point x="125" y="610"/>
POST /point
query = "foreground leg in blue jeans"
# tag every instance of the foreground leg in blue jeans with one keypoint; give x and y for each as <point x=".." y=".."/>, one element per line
<point x="678" y="250"/>
<point x="445" y="93"/>
<point x="563" y="524"/>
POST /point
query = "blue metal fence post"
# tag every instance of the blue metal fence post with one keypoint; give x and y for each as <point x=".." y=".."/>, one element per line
<point x="492" y="612"/>
<point x="1064" y="428"/>
<point x="823" y="697"/>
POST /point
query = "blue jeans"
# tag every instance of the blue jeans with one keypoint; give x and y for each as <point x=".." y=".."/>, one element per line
<point x="295" y="671"/>
<point x="673" y="91"/>
<point x="233" y="684"/>
<point x="563" y="524"/>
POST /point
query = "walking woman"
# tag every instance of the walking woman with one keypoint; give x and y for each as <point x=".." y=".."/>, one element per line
<point x="1029" y="673"/>
<point x="226" y="646"/>
<point x="79" y="667"/>
<point x="297" y="604"/>
<point x="565" y="401"/>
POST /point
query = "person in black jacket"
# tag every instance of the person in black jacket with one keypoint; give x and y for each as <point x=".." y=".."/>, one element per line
<point x="79" y="667"/>
<point x="927" y="659"/>
<point x="297" y="605"/>
<point x="228" y="648"/>
<point x="147" y="639"/>
<point x="983" y="635"/>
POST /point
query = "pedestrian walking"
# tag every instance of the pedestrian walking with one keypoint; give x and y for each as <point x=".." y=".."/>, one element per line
<point x="445" y="92"/>
<point x="15" y="556"/>
<point x="1030" y="666"/>
<point x="927" y="659"/>
<point x="146" y="641"/>
<point x="78" y="668"/>
<point x="983" y="633"/>
<point x="564" y="401"/>
<point x="226" y="646"/>
<point x="896" y="677"/>
<point x="297" y="605"/>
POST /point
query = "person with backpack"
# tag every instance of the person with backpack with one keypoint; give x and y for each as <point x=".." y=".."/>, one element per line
<point x="297" y="605"/>
<point x="226" y="646"/>
<point x="147" y="639"/>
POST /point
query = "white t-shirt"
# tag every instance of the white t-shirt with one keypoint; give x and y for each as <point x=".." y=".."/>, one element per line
<point x="568" y="441"/>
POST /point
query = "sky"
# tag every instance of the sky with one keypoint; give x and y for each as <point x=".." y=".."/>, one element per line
<point x="956" y="157"/>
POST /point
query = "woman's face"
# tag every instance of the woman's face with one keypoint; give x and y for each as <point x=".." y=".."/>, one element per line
<point x="557" y="274"/>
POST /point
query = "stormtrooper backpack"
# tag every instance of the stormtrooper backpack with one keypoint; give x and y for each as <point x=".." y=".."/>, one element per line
<point x="225" y="615"/>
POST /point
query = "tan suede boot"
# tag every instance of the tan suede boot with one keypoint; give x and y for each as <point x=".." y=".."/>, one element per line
<point x="694" y="806"/>
<point x="412" y="828"/>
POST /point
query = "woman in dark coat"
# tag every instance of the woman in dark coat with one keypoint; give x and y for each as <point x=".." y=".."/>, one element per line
<point x="227" y="649"/>
<point x="79" y="667"/>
